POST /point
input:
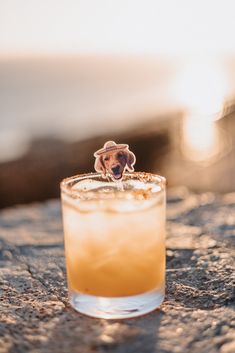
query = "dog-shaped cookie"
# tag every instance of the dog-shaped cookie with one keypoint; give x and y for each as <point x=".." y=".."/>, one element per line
<point x="113" y="159"/>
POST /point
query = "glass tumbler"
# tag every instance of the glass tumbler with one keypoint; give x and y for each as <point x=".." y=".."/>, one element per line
<point x="114" y="234"/>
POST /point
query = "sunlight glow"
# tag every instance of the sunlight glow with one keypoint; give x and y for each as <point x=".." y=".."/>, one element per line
<point x="200" y="138"/>
<point x="201" y="89"/>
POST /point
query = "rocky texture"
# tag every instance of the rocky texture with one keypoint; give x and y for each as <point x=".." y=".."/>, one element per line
<point x="197" y="315"/>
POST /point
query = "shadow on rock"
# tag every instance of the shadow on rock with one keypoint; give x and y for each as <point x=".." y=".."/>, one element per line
<point x="74" y="333"/>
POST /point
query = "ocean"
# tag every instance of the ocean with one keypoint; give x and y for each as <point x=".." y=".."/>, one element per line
<point x="79" y="96"/>
<point x="73" y="98"/>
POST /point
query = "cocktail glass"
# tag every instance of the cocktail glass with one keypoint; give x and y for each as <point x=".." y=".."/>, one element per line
<point x="114" y="235"/>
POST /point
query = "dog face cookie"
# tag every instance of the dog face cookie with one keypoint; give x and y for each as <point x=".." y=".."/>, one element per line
<point x="113" y="159"/>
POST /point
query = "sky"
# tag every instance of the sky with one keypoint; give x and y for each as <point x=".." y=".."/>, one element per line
<point x="174" y="27"/>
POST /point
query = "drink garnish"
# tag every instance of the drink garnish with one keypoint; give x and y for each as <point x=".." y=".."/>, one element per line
<point x="113" y="160"/>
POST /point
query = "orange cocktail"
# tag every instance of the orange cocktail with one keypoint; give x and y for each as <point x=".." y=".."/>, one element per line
<point x="114" y="238"/>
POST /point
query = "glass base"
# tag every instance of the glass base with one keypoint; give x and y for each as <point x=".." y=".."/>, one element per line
<point x="116" y="308"/>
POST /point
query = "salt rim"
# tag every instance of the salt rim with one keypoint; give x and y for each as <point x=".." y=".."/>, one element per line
<point x="155" y="182"/>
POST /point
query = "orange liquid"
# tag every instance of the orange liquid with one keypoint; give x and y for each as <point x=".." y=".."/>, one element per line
<point x="115" y="254"/>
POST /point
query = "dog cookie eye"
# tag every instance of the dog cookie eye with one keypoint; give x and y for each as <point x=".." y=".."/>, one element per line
<point x="106" y="158"/>
<point x="120" y="154"/>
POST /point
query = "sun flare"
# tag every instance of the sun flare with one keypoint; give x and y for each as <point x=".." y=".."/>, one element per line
<point x="201" y="89"/>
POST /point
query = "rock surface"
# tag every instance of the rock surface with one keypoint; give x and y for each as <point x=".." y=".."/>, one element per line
<point x="197" y="315"/>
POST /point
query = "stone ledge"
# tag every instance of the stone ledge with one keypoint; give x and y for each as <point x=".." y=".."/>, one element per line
<point x="197" y="315"/>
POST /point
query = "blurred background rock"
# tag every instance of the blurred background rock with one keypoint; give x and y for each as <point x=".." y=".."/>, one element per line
<point x="158" y="75"/>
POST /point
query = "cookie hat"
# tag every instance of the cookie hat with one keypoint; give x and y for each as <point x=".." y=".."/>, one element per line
<point x="110" y="146"/>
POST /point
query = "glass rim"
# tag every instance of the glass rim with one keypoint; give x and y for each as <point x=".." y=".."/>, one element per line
<point x="67" y="183"/>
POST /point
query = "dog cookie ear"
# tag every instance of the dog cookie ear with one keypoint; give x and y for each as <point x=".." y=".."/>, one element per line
<point x="99" y="166"/>
<point x="130" y="161"/>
